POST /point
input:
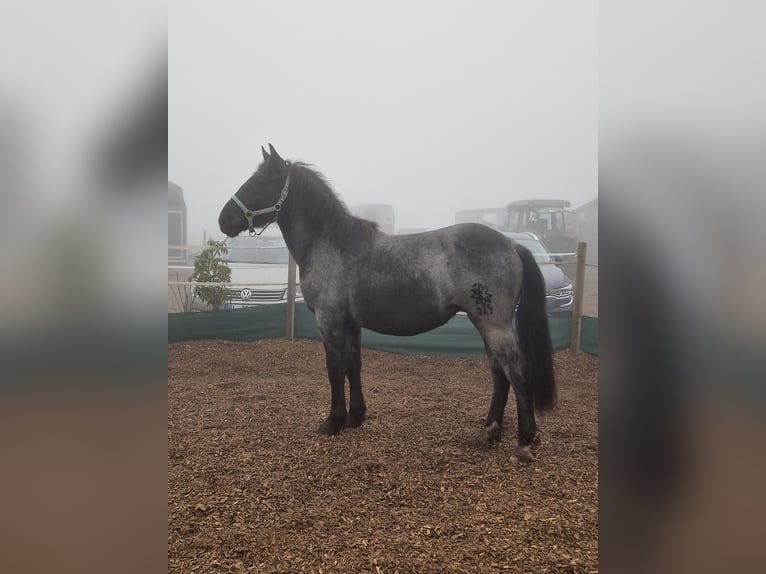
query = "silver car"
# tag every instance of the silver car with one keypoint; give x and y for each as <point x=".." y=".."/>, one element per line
<point x="559" y="293"/>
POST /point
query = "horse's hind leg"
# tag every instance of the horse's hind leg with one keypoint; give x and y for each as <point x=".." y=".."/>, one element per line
<point x="525" y="410"/>
<point x="505" y="361"/>
<point x="336" y="354"/>
<point x="356" y="405"/>
<point x="501" y="385"/>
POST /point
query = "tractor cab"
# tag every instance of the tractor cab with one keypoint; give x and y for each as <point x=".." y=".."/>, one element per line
<point x="549" y="219"/>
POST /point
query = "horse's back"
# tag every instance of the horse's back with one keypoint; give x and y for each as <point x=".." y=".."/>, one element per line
<point x="450" y="252"/>
<point x="462" y="237"/>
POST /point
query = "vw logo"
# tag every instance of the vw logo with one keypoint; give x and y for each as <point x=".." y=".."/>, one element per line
<point x="245" y="293"/>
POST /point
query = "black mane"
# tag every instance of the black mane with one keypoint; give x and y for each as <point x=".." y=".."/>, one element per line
<point x="323" y="211"/>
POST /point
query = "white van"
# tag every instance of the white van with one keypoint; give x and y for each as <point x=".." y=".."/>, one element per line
<point x="258" y="270"/>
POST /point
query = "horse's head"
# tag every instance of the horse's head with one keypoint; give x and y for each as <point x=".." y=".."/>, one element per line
<point x="260" y="198"/>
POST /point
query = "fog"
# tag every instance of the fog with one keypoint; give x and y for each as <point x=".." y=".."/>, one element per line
<point x="433" y="110"/>
<point x="427" y="106"/>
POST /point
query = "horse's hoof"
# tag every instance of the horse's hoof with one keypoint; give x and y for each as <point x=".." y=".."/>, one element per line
<point x="524" y="454"/>
<point x="354" y="419"/>
<point x="331" y="426"/>
<point x="490" y="436"/>
<point x="494" y="432"/>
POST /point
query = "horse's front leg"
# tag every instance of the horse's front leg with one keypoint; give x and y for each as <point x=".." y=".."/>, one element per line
<point x="335" y="344"/>
<point x="356" y="405"/>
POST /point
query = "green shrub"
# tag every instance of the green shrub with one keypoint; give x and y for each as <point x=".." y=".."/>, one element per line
<point x="209" y="267"/>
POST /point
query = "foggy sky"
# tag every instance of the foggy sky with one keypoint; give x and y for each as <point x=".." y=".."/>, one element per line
<point x="432" y="107"/>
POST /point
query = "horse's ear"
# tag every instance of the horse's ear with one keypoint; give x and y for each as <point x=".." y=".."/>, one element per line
<point x="274" y="154"/>
<point x="266" y="155"/>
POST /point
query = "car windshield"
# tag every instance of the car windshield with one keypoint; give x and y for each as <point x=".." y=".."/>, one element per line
<point x="261" y="249"/>
<point x="537" y="249"/>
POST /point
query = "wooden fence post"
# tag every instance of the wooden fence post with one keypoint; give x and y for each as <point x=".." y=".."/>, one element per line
<point x="579" y="288"/>
<point x="291" y="274"/>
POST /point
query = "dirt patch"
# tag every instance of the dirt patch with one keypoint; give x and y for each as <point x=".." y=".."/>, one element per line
<point x="252" y="486"/>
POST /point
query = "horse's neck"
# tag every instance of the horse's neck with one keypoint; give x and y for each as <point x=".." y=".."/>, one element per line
<point x="302" y="231"/>
<point x="297" y="242"/>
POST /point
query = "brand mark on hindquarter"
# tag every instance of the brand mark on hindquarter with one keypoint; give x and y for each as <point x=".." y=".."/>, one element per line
<point x="483" y="298"/>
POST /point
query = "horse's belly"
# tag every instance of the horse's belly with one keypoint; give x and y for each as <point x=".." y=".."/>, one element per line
<point x="403" y="322"/>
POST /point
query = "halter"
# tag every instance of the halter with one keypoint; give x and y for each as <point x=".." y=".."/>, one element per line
<point x="273" y="209"/>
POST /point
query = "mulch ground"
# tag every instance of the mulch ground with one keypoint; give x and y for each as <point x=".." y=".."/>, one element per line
<point x="253" y="486"/>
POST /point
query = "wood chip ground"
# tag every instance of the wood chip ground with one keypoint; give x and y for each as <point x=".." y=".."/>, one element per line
<point x="253" y="487"/>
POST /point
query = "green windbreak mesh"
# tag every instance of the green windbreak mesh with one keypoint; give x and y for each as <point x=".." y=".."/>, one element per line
<point x="457" y="338"/>
<point x="589" y="335"/>
<point x="263" y="322"/>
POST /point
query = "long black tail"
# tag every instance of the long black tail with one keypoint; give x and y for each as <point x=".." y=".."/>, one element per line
<point x="534" y="334"/>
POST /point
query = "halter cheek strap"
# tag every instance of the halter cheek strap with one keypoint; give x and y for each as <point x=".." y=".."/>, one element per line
<point x="249" y="215"/>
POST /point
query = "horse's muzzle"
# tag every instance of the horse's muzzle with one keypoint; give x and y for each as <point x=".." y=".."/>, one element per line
<point x="227" y="227"/>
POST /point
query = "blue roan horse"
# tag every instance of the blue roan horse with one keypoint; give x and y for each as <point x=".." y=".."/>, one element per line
<point x="354" y="276"/>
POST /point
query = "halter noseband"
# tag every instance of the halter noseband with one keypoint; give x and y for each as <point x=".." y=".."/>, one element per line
<point x="273" y="209"/>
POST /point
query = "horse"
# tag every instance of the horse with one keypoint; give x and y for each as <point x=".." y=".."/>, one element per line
<point x="354" y="276"/>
